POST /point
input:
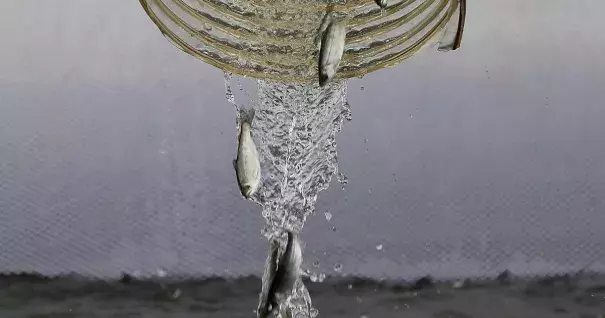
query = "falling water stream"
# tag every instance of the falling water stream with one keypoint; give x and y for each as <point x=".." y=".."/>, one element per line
<point x="294" y="130"/>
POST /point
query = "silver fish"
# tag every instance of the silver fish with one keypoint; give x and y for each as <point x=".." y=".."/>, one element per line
<point x="288" y="273"/>
<point x="332" y="48"/>
<point x="247" y="164"/>
<point x="382" y="3"/>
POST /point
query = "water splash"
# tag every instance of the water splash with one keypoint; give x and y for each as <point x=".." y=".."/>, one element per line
<point x="294" y="129"/>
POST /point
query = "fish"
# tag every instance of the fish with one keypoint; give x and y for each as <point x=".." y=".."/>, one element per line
<point x="247" y="163"/>
<point x="287" y="274"/>
<point x="382" y="3"/>
<point x="332" y="49"/>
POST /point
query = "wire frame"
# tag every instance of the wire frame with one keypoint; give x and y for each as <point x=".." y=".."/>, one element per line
<point x="277" y="40"/>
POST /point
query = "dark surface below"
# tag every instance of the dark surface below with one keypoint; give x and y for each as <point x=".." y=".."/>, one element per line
<point x="580" y="296"/>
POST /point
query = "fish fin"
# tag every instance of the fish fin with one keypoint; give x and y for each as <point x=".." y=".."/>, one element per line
<point x="245" y="188"/>
<point x="317" y="41"/>
<point x="239" y="186"/>
<point x="251" y="114"/>
<point x="289" y="244"/>
<point x="325" y="21"/>
<point x="452" y="36"/>
<point x="460" y="32"/>
<point x="274" y="248"/>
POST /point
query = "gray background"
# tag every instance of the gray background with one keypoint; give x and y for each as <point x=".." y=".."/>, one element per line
<point x="116" y="150"/>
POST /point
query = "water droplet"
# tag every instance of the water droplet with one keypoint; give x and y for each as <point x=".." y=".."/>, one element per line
<point x="350" y="286"/>
<point x="316" y="264"/>
<point x="328" y="215"/>
<point x="321" y="277"/>
<point x="348" y="115"/>
<point x="207" y="27"/>
<point x="230" y="98"/>
<point x="370" y="191"/>
<point x="333" y="229"/>
<point x="379" y="247"/>
<point x="362" y="88"/>
<point x="365" y="141"/>
<point x="359" y="299"/>
<point x="410" y="115"/>
<point x="338" y="267"/>
<point x="364" y="316"/>
<point x="342" y="178"/>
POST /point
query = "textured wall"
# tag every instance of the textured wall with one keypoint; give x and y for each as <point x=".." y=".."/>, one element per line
<point x="116" y="150"/>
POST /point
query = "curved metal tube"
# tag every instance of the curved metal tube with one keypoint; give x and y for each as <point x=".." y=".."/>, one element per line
<point x="282" y="49"/>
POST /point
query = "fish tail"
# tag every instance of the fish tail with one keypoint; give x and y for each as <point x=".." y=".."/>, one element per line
<point x="262" y="312"/>
<point x="291" y="236"/>
<point x="246" y="115"/>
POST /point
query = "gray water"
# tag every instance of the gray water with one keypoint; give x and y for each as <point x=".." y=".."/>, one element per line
<point x="33" y="296"/>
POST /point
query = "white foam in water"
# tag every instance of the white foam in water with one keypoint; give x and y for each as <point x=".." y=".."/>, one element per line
<point x="294" y="129"/>
<point x="338" y="267"/>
